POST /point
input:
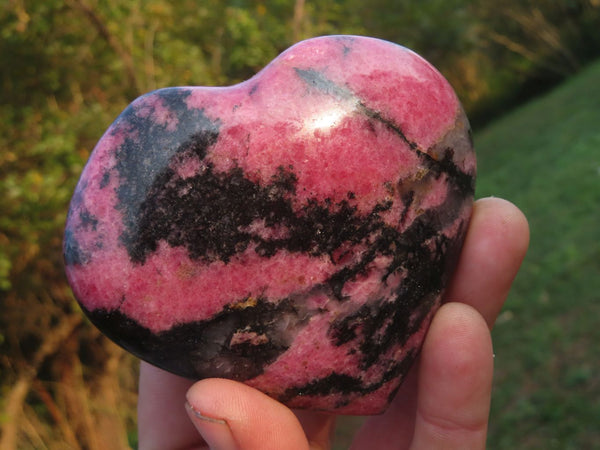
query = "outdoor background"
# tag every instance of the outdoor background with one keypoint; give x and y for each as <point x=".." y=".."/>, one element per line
<point x="527" y="73"/>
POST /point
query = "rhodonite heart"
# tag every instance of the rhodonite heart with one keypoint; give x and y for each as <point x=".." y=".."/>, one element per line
<point x="295" y="231"/>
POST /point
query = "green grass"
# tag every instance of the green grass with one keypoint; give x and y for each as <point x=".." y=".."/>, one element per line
<point x="545" y="157"/>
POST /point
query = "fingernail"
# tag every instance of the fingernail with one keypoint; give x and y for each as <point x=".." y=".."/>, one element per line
<point x="214" y="431"/>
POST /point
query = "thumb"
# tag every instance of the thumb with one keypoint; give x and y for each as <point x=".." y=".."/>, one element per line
<point x="231" y="415"/>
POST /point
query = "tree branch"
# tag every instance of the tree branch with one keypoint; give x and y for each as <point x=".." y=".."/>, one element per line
<point x="15" y="398"/>
<point x="112" y="41"/>
<point x="298" y="19"/>
<point x="525" y="52"/>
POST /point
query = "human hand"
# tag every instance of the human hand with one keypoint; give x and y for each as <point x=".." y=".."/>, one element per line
<point x="443" y="403"/>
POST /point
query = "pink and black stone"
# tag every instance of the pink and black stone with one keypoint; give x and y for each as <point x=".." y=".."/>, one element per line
<point x="294" y="232"/>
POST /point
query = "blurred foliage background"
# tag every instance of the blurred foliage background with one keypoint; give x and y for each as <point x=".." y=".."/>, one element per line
<point x="69" y="67"/>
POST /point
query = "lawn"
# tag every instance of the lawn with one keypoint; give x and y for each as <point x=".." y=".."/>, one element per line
<point x="545" y="158"/>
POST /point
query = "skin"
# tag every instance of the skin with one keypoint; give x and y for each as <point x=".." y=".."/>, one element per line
<point x="443" y="404"/>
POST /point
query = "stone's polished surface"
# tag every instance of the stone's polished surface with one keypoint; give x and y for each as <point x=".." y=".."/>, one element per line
<point x="295" y="231"/>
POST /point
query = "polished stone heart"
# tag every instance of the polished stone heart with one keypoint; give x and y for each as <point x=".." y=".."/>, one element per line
<point x="295" y="231"/>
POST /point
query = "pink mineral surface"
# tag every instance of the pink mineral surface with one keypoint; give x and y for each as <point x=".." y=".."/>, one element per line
<point x="294" y="232"/>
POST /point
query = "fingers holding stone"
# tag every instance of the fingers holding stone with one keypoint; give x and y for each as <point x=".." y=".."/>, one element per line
<point x="455" y="381"/>
<point x="494" y="248"/>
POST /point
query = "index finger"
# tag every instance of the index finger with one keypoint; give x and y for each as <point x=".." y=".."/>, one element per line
<point x="162" y="419"/>
<point x="496" y="243"/>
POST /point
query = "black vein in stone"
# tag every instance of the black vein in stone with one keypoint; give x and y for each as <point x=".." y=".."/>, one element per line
<point x="349" y="385"/>
<point x="318" y="81"/>
<point x="149" y="146"/>
<point x="204" y="348"/>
